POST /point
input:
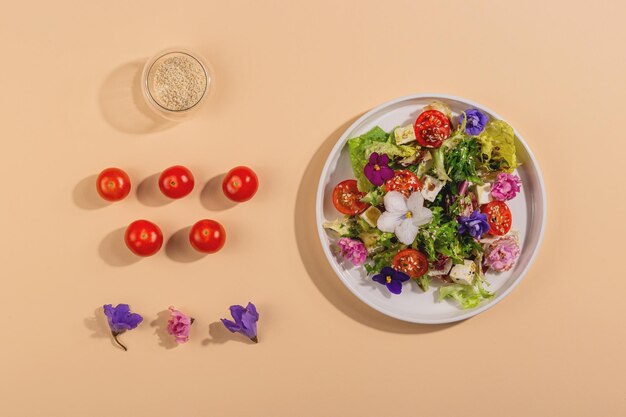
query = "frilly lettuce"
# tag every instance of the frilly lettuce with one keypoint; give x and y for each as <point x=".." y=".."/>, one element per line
<point x="376" y="140"/>
<point x="497" y="143"/>
<point x="468" y="296"/>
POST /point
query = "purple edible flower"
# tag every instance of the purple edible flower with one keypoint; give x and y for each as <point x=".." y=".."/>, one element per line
<point x="502" y="254"/>
<point x="245" y="321"/>
<point x="475" y="224"/>
<point x="377" y="170"/>
<point x="121" y="319"/>
<point x="476" y="121"/>
<point x="506" y="186"/>
<point x="392" y="279"/>
<point x="353" y="250"/>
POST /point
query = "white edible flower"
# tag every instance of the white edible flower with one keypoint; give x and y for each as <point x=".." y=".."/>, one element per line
<point x="403" y="216"/>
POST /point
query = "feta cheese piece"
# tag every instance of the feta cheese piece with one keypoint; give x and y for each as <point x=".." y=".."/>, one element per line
<point x="483" y="193"/>
<point x="463" y="273"/>
<point x="431" y="187"/>
<point x="371" y="215"/>
<point x="404" y="134"/>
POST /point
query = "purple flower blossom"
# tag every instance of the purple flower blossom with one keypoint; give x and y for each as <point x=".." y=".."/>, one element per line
<point x="245" y="321"/>
<point x="392" y="279"/>
<point x="377" y="170"/>
<point x="476" y="121"/>
<point x="475" y="224"/>
<point x="353" y="250"/>
<point x="506" y="186"/>
<point x="502" y="254"/>
<point x="120" y="320"/>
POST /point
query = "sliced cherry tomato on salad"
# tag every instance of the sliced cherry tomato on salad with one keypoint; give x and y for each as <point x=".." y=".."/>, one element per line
<point x="143" y="238"/>
<point x="347" y="198"/>
<point x="410" y="261"/>
<point x="113" y="184"/>
<point x="498" y="216"/>
<point x="404" y="181"/>
<point x="432" y="127"/>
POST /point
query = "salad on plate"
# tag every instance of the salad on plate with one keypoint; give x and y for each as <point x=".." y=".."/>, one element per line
<point x="429" y="203"/>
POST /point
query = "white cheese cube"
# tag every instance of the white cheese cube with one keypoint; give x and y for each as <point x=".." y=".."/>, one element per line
<point x="371" y="215"/>
<point x="483" y="193"/>
<point x="463" y="273"/>
<point x="404" y="134"/>
<point x="431" y="187"/>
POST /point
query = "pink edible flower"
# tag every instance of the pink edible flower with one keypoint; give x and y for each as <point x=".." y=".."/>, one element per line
<point x="502" y="254"/>
<point x="353" y="250"/>
<point x="178" y="325"/>
<point x="506" y="186"/>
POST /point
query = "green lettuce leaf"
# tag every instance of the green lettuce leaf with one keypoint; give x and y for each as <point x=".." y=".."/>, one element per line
<point x="374" y="197"/>
<point x="358" y="157"/>
<point x="468" y="296"/>
<point x="376" y="140"/>
<point x="461" y="161"/>
<point x="348" y="227"/>
<point x="497" y="143"/>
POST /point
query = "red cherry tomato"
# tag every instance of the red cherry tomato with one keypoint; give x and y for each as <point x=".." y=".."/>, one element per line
<point x="404" y="181"/>
<point x="498" y="216"/>
<point x="207" y="236"/>
<point x="240" y="184"/>
<point x="347" y="198"/>
<point x="410" y="261"/>
<point x="432" y="127"/>
<point x="143" y="238"/>
<point x="176" y="181"/>
<point x="113" y="184"/>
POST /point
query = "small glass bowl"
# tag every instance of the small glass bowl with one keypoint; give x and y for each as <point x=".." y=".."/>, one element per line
<point x="152" y="97"/>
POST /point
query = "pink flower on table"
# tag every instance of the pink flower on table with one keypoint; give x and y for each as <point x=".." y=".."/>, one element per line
<point x="502" y="254"/>
<point x="506" y="186"/>
<point x="353" y="250"/>
<point x="179" y="325"/>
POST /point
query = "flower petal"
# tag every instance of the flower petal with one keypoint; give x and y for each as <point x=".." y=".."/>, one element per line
<point x="386" y="173"/>
<point x="395" y="287"/>
<point x="406" y="231"/>
<point x="395" y="202"/>
<point x="252" y="310"/>
<point x="237" y="312"/>
<point x="230" y="325"/>
<point x="383" y="159"/>
<point x="373" y="158"/>
<point x="422" y="216"/>
<point x="380" y="278"/>
<point x="415" y="202"/>
<point x="388" y="222"/>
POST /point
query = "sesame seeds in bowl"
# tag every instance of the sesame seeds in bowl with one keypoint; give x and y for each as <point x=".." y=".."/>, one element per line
<point x="175" y="83"/>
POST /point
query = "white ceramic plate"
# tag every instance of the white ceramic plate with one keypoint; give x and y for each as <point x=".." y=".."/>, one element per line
<point x="414" y="305"/>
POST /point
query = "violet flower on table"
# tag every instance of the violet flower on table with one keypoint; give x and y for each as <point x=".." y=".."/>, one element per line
<point x="121" y="320"/>
<point x="245" y="320"/>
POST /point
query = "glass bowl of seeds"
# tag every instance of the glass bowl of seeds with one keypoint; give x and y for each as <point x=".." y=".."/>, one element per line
<point x="175" y="83"/>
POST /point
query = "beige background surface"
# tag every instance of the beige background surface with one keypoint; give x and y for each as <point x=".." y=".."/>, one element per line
<point x="290" y="77"/>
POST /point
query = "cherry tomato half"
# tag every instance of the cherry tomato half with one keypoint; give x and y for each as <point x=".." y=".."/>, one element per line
<point x="404" y="181"/>
<point x="143" y="238"/>
<point x="498" y="216"/>
<point x="432" y="127"/>
<point x="207" y="236"/>
<point x="410" y="261"/>
<point x="347" y="198"/>
<point x="176" y="181"/>
<point x="240" y="184"/>
<point x="113" y="184"/>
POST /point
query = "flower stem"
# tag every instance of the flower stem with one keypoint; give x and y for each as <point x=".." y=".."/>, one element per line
<point x="118" y="342"/>
<point x="255" y="339"/>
